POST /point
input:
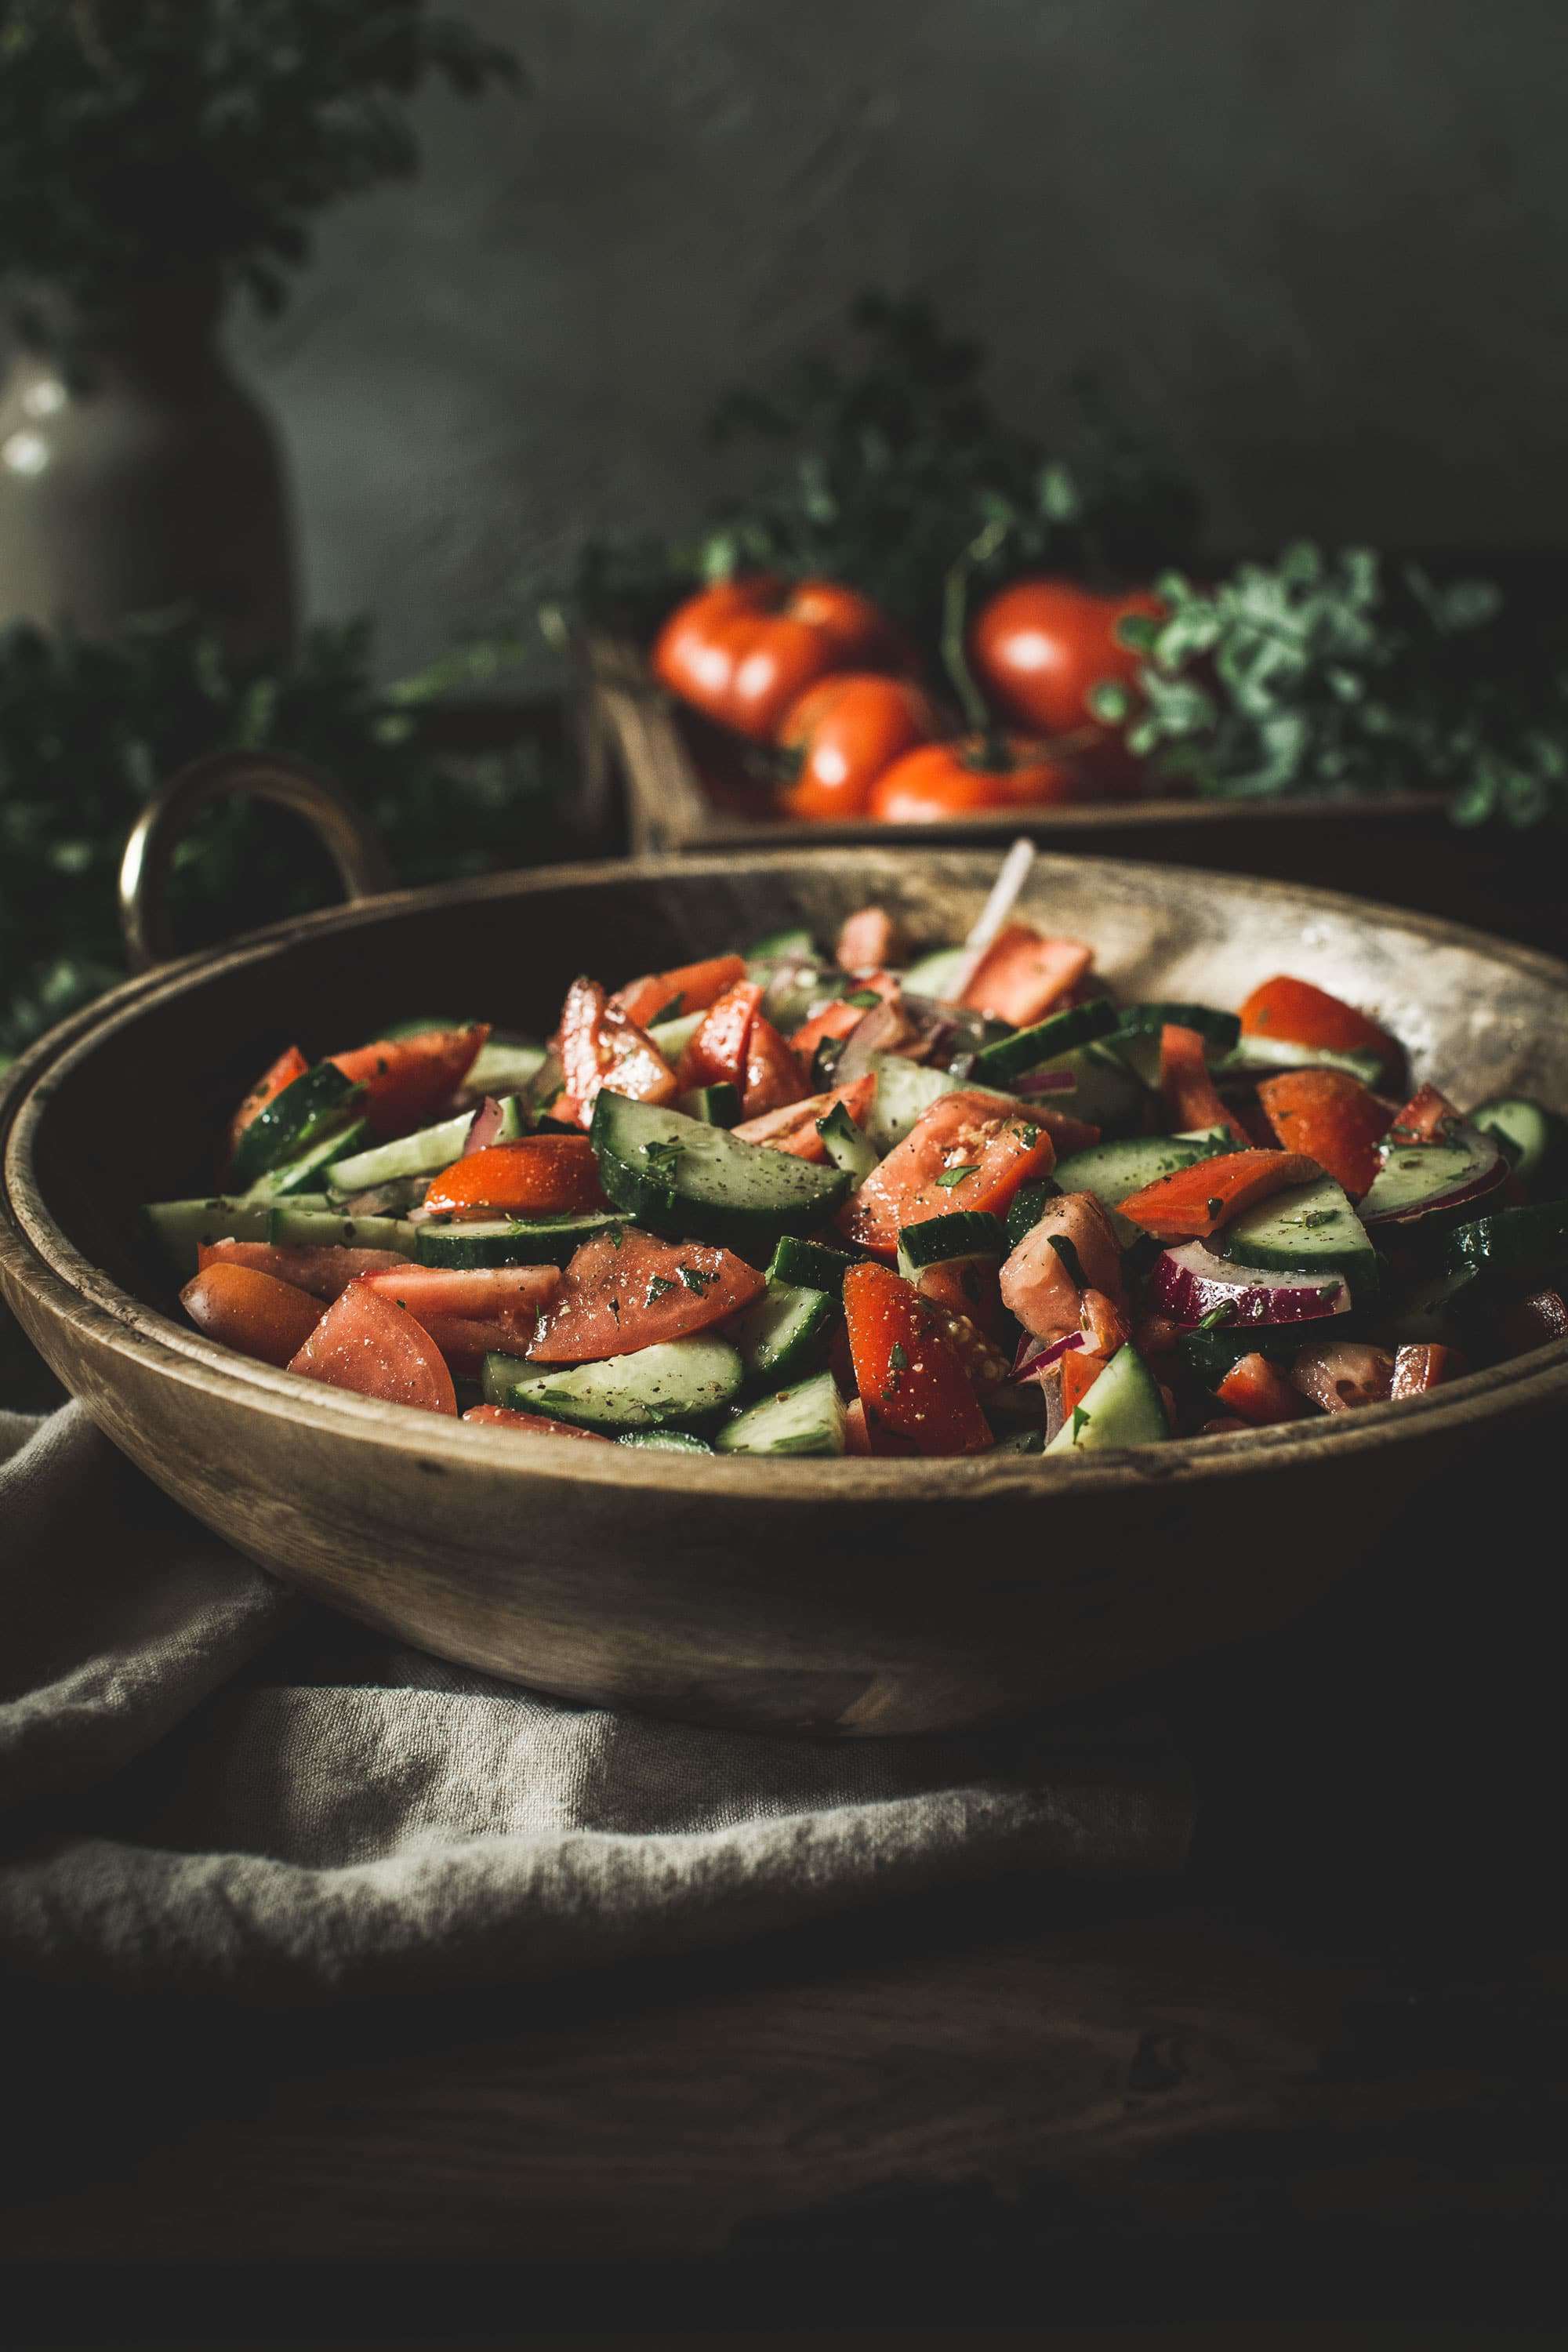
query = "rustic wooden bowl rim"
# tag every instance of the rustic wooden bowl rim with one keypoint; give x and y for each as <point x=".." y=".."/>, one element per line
<point x="38" y="1256"/>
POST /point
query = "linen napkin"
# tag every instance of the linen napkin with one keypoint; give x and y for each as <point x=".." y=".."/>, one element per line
<point x="208" y="1782"/>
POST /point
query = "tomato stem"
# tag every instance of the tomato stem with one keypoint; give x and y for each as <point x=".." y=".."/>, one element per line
<point x="994" y="755"/>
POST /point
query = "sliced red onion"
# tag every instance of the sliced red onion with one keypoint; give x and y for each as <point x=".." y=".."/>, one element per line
<point x="1042" y="1082"/>
<point x="485" y="1127"/>
<point x="1191" y="1282"/>
<point x="884" y="1030"/>
<point x="1036" y="1356"/>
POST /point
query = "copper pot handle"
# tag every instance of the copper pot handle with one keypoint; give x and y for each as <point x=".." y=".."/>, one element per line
<point x="350" y="839"/>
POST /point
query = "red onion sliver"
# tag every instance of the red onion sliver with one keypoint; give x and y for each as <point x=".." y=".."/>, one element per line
<point x="1038" y="1356"/>
<point x="1191" y="1282"/>
<point x="485" y="1127"/>
<point x="1043" y="1081"/>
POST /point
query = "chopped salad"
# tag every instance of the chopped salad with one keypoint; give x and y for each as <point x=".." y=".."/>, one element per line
<point x="786" y="1202"/>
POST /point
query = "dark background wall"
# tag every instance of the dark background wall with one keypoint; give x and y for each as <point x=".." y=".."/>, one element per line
<point x="1323" y="245"/>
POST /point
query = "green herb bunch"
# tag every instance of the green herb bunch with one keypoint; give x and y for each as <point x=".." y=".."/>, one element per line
<point x="880" y="469"/>
<point x="170" y="137"/>
<point x="88" y="732"/>
<point x="1342" y="675"/>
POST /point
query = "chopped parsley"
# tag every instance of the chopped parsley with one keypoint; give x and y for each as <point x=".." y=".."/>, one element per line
<point x="1216" y="1315"/>
<point x="670" y="1012"/>
<point x="1080" y="1419"/>
<point x="896" y="1356"/>
<point x="662" y="1158"/>
<point x="698" y="1278"/>
<point x="656" y="1288"/>
<point x="1028" y="1137"/>
<point x="864" y="1000"/>
<point x="1215" y="1208"/>
<point x="1315" y="1217"/>
<point x="951" y="1176"/>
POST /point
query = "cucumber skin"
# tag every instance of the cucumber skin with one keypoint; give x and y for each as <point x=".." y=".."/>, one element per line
<point x="823" y="1432"/>
<point x="178" y="1228"/>
<point x="666" y="1441"/>
<point x="1511" y="1240"/>
<point x="283" y="1128"/>
<point x="653" y="1202"/>
<point x="1541" y="1165"/>
<point x="1028" y="1206"/>
<point x="524" y="1243"/>
<point x="296" y="1175"/>
<point x="1217" y="1029"/>
<point x="809" y="1265"/>
<point x="942" y="1241"/>
<point x="802" y="1351"/>
<point x="1032" y="1048"/>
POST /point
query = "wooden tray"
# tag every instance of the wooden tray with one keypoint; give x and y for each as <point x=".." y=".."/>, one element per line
<point x="687" y="790"/>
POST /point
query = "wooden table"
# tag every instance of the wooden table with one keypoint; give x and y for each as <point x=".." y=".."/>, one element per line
<point x="1321" y="2078"/>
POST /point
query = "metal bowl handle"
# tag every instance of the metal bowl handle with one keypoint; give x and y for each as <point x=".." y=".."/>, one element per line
<point x="350" y="839"/>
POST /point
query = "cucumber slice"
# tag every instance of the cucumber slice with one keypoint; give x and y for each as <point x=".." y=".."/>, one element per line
<point x="1312" y="1227"/>
<point x="313" y="1105"/>
<point x="1113" y="1171"/>
<point x="807" y="1418"/>
<point x="1107" y="1090"/>
<point x="1534" y="1138"/>
<point x="1211" y="1350"/>
<point x="1434" y="1312"/>
<point x="793" y="992"/>
<point x="781" y="1334"/>
<point x="1028" y="1206"/>
<point x="1254" y="1057"/>
<point x="943" y="1241"/>
<point x="678" y="1379"/>
<point x="499" y="1068"/>
<point x="810" y="1265"/>
<point x="510" y="1241"/>
<point x="849" y="1147"/>
<point x="666" y="1441"/>
<point x="1125" y="1407"/>
<point x="425" y="1153"/>
<point x="719" y="1105"/>
<point x="1218" y="1030"/>
<point x="298" y="1224"/>
<point x="672" y="1037"/>
<point x="694" y="1183"/>
<point x="1035" y="1047"/>
<point x="1513" y="1241"/>
<point x="904" y="1089"/>
<point x="180" y="1227"/>
<point x="935" y="974"/>
<point x="302" y="1174"/>
<point x="794" y="943"/>
<point x="1417" y="1179"/>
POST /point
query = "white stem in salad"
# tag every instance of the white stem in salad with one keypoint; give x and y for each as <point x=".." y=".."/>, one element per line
<point x="998" y="907"/>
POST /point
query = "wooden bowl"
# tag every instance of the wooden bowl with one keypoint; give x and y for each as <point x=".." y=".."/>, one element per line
<point x="857" y="1597"/>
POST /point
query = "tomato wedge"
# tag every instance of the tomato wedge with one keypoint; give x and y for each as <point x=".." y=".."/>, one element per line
<point x="1258" y="1392"/>
<point x="1304" y="1015"/>
<point x="465" y="1340"/>
<point x="325" y="1273"/>
<point x="793" y="1127"/>
<point x="539" y="1175"/>
<point x="538" y="1425"/>
<point x="630" y="1290"/>
<point x="365" y="1343"/>
<point x="251" y="1311"/>
<point x="482" y="1292"/>
<point x="1193" y="1202"/>
<point x="773" y="1076"/>
<point x="601" y="1048"/>
<point x="291" y="1065"/>
<point x="844" y="1015"/>
<point x="716" y="1053"/>
<point x="1080" y="1370"/>
<point x="1191" y="1094"/>
<point x="688" y="988"/>
<point x="966" y="1150"/>
<point x="1022" y="974"/>
<point x="1331" y="1117"/>
<point x="407" y="1080"/>
<point x="906" y="1371"/>
<point x="1424" y="1116"/>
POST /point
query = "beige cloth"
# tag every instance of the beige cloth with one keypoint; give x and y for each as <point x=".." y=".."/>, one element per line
<point x="205" y="1781"/>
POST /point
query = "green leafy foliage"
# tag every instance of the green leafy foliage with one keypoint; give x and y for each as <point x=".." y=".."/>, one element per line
<point x="880" y="468"/>
<point x="1341" y="675"/>
<point x="158" y="137"/>
<point x="88" y="732"/>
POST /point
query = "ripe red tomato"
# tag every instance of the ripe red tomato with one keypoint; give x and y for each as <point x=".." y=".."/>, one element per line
<point x="847" y="728"/>
<point x="743" y="651"/>
<point x="1040" y="645"/>
<point x="956" y="779"/>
